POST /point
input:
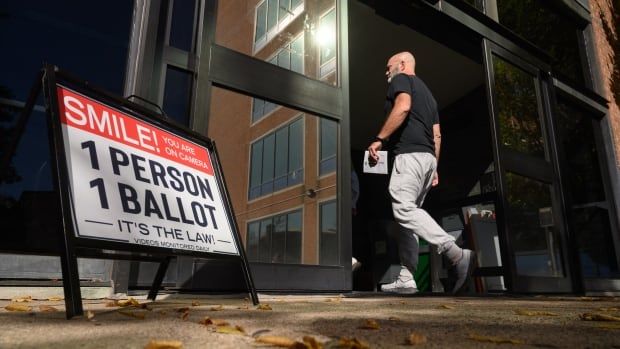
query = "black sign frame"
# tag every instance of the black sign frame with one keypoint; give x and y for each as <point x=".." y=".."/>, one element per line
<point x="73" y="246"/>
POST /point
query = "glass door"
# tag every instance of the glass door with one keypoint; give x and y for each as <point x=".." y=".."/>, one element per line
<point x="530" y="197"/>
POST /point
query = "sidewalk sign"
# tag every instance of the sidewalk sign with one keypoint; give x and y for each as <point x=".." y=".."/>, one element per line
<point x="131" y="185"/>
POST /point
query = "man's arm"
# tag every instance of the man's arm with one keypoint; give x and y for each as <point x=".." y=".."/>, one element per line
<point x="437" y="140"/>
<point x="397" y="116"/>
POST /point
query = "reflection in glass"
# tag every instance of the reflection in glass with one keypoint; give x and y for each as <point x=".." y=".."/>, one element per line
<point x="329" y="239"/>
<point x="297" y="35"/>
<point x="517" y="109"/>
<point x="177" y="94"/>
<point x="272" y="175"/>
<point x="545" y="26"/>
<point x="329" y="144"/>
<point x="531" y="227"/>
<point x="182" y="24"/>
<point x="590" y="209"/>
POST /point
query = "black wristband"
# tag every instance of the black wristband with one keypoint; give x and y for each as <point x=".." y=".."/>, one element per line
<point x="379" y="139"/>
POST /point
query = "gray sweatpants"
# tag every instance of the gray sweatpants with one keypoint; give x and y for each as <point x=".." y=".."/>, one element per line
<point x="412" y="176"/>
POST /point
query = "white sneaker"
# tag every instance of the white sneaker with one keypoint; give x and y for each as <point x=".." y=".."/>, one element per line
<point x="401" y="287"/>
<point x="355" y="264"/>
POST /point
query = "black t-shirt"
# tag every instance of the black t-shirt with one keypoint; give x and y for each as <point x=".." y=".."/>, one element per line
<point x="415" y="135"/>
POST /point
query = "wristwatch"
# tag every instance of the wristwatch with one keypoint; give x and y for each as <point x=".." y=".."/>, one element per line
<point x="379" y="139"/>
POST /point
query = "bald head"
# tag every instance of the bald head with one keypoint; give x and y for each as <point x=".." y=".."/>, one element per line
<point x="402" y="62"/>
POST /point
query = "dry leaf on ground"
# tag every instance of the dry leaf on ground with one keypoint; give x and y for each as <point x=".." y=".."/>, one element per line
<point x="22" y="299"/>
<point x="185" y="316"/>
<point x="598" y="317"/>
<point x="47" y="309"/>
<point x="18" y="307"/>
<point x="217" y="308"/>
<point x="264" y="307"/>
<point x="90" y="315"/>
<point x="127" y="302"/>
<point x="609" y="309"/>
<point x="534" y="313"/>
<point x="132" y="314"/>
<point x="278" y="341"/>
<point x="157" y="344"/>
<point x="195" y="303"/>
<point x="494" y="339"/>
<point x="416" y="338"/>
<point x="352" y="343"/>
<point x="446" y="306"/>
<point x="244" y="307"/>
<point x="312" y="343"/>
<point x="230" y="329"/>
<point x="370" y="324"/>
<point x="55" y="299"/>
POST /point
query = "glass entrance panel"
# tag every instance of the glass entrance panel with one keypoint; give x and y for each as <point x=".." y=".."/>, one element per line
<point x="531" y="227"/>
<point x="517" y="109"/>
<point x="275" y="174"/>
<point x="532" y="217"/>
<point x="298" y="35"/>
<point x="589" y="205"/>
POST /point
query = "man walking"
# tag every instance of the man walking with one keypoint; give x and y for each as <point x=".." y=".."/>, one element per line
<point x="412" y="125"/>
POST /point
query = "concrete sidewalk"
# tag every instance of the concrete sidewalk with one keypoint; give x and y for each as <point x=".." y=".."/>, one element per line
<point x="374" y="320"/>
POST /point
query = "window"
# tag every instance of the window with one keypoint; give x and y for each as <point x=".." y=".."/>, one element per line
<point x="182" y="24"/>
<point x="177" y="94"/>
<point x="545" y="26"/>
<point x="328" y="146"/>
<point x="326" y="40"/>
<point x="276" y="239"/>
<point x="272" y="15"/>
<point x="277" y="160"/>
<point x="289" y="57"/>
<point x="329" y="238"/>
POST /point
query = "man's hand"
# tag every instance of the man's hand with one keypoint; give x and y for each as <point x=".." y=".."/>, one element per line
<point x="435" y="181"/>
<point x="373" y="155"/>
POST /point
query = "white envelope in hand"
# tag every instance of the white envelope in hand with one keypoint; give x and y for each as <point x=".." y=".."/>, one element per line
<point x="382" y="165"/>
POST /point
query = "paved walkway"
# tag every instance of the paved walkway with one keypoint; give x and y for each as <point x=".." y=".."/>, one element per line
<point x="367" y="320"/>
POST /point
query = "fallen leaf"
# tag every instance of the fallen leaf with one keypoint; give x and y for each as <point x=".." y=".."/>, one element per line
<point x="220" y="322"/>
<point x="90" y="315"/>
<point x="185" y="316"/>
<point x="446" y="306"/>
<point x="127" y="302"/>
<point x="157" y="344"/>
<point x="493" y="339"/>
<point x="195" y="303"/>
<point x="370" y="324"/>
<point x="534" y="313"/>
<point x="244" y="307"/>
<point x="278" y="341"/>
<point x="609" y="309"/>
<point x="264" y="307"/>
<point x="206" y="321"/>
<point x="47" y="309"/>
<point x="55" y="299"/>
<point x="18" y="307"/>
<point x="334" y="300"/>
<point x="230" y="330"/>
<point x="416" y="338"/>
<point x="352" y="343"/>
<point x="22" y="299"/>
<point x="217" y="308"/>
<point x="598" y="317"/>
<point x="312" y="343"/>
<point x="132" y="314"/>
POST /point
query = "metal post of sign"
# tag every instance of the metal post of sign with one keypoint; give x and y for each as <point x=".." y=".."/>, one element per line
<point x="244" y="260"/>
<point x="68" y="257"/>
<point x="159" y="278"/>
